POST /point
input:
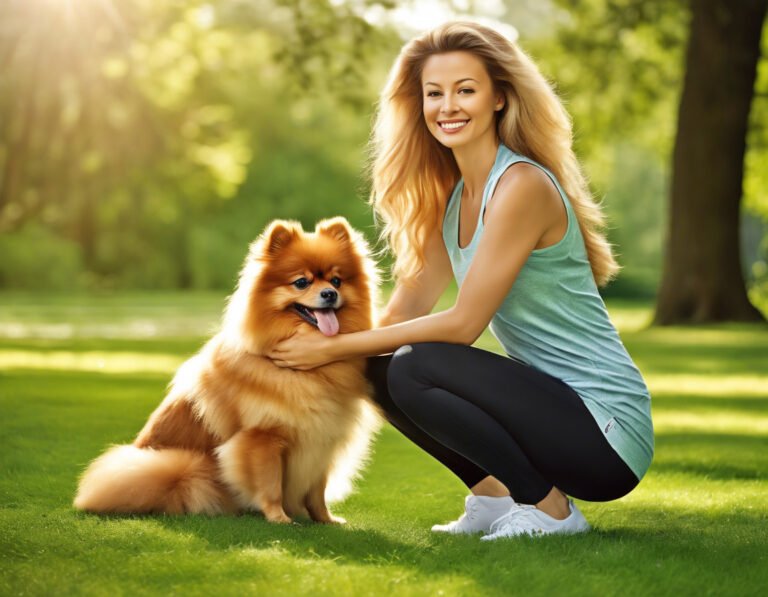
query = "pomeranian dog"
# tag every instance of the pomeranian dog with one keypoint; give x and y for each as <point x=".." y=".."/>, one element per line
<point x="235" y="432"/>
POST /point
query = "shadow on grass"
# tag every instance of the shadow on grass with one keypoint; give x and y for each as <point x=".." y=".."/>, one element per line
<point x="653" y="551"/>
<point x="715" y="351"/>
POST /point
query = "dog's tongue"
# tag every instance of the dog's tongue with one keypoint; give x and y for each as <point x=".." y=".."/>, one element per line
<point x="327" y="322"/>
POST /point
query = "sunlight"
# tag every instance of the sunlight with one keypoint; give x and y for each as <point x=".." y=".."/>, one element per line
<point x="171" y="326"/>
<point x="717" y="421"/>
<point x="416" y="16"/>
<point x="743" y="386"/>
<point x="630" y="319"/>
<point x="101" y="362"/>
<point x="668" y="492"/>
<point x="80" y="11"/>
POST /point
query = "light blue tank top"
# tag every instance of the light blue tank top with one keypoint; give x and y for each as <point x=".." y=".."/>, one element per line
<point x="555" y="320"/>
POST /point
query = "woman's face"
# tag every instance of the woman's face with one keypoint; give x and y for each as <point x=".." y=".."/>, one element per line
<point x="459" y="101"/>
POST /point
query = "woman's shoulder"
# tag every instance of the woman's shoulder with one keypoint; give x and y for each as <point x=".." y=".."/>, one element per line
<point x="523" y="188"/>
<point x="527" y="180"/>
<point x="525" y="191"/>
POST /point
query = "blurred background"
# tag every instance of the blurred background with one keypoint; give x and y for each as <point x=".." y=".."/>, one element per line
<point x="144" y="144"/>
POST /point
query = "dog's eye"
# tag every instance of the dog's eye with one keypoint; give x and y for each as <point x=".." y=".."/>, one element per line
<point x="335" y="281"/>
<point x="301" y="283"/>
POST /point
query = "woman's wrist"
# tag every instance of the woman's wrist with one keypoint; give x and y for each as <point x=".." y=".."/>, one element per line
<point x="333" y="348"/>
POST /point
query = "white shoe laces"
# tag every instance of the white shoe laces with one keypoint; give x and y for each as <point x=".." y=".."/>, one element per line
<point x="515" y="521"/>
<point x="476" y="518"/>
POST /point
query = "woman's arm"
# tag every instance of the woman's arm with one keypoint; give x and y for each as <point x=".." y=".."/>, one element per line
<point x="523" y="209"/>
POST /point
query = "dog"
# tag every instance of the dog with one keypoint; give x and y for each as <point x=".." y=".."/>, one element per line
<point x="235" y="432"/>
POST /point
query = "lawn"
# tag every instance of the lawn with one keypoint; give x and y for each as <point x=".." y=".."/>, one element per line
<point x="78" y="373"/>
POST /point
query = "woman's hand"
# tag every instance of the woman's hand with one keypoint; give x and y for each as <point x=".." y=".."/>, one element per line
<point x="305" y="349"/>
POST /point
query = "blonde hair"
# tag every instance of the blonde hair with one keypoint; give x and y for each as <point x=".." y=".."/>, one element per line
<point x="413" y="174"/>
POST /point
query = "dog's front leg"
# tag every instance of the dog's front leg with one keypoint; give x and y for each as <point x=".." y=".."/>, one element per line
<point x="315" y="503"/>
<point x="251" y="464"/>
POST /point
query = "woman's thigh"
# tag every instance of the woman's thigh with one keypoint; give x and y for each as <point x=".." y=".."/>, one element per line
<point x="376" y="371"/>
<point x="543" y="415"/>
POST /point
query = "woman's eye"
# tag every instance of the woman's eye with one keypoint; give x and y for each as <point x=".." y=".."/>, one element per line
<point x="433" y="93"/>
<point x="301" y="283"/>
<point x="466" y="90"/>
<point x="335" y="281"/>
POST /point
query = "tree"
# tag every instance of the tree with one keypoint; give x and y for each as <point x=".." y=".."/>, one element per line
<point x="702" y="278"/>
<point x="632" y="51"/>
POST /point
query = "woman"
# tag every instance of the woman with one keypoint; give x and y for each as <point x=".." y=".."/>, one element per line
<point x="474" y="176"/>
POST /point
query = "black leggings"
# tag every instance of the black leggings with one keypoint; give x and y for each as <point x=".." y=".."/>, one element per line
<point x="483" y="414"/>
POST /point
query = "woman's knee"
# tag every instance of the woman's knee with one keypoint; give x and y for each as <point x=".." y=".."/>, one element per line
<point x="407" y="371"/>
<point x="401" y="367"/>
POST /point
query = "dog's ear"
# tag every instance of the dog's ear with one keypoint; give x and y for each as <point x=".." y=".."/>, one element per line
<point x="337" y="228"/>
<point x="279" y="234"/>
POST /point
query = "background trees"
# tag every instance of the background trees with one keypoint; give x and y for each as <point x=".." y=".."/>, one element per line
<point x="144" y="144"/>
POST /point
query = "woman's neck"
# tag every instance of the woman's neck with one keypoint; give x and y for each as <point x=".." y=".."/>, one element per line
<point x="475" y="162"/>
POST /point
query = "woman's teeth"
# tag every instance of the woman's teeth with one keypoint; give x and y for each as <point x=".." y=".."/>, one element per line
<point x="451" y="126"/>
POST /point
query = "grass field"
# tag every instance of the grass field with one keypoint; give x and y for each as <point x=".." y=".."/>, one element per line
<point x="78" y="373"/>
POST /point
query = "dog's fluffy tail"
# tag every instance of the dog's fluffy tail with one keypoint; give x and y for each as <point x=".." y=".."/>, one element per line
<point x="127" y="479"/>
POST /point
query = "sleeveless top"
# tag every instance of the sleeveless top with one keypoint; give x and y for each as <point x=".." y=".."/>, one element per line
<point x="554" y="319"/>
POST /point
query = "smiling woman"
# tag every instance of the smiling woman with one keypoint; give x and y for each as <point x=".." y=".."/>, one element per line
<point x="475" y="178"/>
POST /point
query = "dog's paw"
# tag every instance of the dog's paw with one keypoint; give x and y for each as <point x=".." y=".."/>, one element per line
<point x="280" y="518"/>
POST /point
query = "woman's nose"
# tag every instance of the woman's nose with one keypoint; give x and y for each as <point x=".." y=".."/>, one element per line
<point x="449" y="103"/>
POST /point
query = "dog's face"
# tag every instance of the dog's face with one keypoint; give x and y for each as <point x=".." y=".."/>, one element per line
<point x="322" y="279"/>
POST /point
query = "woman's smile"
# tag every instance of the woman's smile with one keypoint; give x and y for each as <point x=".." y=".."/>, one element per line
<point x="452" y="126"/>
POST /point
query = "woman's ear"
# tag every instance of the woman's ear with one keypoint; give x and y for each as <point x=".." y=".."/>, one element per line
<point x="501" y="101"/>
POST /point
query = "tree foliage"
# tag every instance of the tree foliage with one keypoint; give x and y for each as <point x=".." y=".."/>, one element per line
<point x="124" y="125"/>
<point x="156" y="138"/>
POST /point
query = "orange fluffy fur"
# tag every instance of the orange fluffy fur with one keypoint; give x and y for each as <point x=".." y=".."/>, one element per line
<point x="236" y="432"/>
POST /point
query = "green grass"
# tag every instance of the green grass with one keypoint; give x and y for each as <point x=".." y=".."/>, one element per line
<point x="78" y="373"/>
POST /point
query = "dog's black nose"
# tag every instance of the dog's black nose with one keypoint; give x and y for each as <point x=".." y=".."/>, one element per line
<point x="329" y="295"/>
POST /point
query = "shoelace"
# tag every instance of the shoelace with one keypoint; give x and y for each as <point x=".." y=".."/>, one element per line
<point x="516" y="518"/>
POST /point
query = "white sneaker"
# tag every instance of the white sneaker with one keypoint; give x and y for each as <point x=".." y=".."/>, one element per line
<point x="479" y="512"/>
<point x="529" y="520"/>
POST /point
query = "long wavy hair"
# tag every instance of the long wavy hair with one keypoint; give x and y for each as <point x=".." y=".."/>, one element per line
<point x="413" y="174"/>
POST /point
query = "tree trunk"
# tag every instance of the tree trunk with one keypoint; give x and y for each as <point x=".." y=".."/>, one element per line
<point x="703" y="280"/>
